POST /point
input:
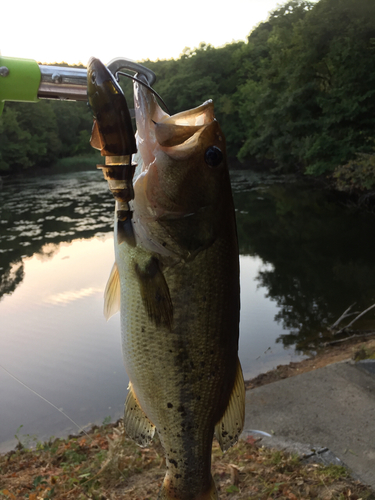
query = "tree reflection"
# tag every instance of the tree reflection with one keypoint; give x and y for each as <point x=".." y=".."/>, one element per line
<point x="321" y="254"/>
<point x="38" y="212"/>
<point x="9" y="279"/>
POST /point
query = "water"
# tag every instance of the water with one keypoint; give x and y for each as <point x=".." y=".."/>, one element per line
<point x="304" y="259"/>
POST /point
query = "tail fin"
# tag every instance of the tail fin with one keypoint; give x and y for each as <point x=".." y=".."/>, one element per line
<point x="170" y="491"/>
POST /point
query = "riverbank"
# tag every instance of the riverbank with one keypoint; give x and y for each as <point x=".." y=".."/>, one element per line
<point x="327" y="414"/>
<point x="70" y="164"/>
<point x="105" y="464"/>
<point x="349" y="194"/>
<point x="355" y="349"/>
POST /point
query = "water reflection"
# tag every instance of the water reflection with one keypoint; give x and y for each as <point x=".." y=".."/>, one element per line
<point x="53" y="209"/>
<point x="320" y="255"/>
<point x="304" y="259"/>
<point x="55" y="339"/>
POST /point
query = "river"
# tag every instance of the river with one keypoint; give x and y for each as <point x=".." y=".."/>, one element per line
<point x="304" y="259"/>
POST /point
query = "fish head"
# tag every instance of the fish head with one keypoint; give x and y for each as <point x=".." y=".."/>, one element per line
<point x="184" y="171"/>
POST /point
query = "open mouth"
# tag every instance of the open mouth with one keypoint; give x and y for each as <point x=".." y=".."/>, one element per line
<point x="176" y="135"/>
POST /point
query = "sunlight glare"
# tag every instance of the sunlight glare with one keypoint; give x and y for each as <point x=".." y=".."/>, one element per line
<point x="75" y="31"/>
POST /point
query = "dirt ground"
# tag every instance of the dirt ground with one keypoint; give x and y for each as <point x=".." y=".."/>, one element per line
<point x="105" y="465"/>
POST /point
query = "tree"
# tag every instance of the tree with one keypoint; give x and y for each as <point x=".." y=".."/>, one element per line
<point x="310" y="104"/>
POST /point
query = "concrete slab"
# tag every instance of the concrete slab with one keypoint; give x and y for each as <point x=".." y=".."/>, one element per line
<point x="330" y="409"/>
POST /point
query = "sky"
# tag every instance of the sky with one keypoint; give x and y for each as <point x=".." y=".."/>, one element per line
<point x="74" y="30"/>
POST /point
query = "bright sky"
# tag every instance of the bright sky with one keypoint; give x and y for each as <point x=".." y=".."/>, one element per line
<point x="75" y="30"/>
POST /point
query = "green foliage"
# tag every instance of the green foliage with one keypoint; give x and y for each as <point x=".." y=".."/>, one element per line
<point x="364" y="353"/>
<point x="39" y="480"/>
<point x="299" y="94"/>
<point x="358" y="174"/>
<point x="311" y="105"/>
<point x="38" y="134"/>
<point x="78" y="163"/>
<point x="26" y="441"/>
<point x="334" y="471"/>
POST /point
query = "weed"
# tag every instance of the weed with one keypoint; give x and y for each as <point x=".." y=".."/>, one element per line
<point x="26" y="441"/>
<point x="109" y="465"/>
<point x="334" y="471"/>
<point x="364" y="353"/>
<point x="76" y="163"/>
<point x="232" y="489"/>
<point x="107" y="421"/>
<point x="39" y="480"/>
<point x="276" y="458"/>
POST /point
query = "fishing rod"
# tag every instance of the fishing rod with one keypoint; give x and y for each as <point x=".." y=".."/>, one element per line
<point x="81" y="429"/>
<point x="24" y="80"/>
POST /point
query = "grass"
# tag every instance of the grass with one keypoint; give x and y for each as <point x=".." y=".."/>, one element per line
<point x="107" y="465"/>
<point x="364" y="352"/>
<point x="76" y="163"/>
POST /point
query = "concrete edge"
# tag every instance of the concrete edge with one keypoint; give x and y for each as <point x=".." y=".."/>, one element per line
<point x="307" y="453"/>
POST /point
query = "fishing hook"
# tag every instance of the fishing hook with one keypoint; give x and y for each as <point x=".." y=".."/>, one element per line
<point x="145" y="85"/>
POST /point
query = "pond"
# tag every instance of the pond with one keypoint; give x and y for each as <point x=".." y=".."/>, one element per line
<point x="304" y="259"/>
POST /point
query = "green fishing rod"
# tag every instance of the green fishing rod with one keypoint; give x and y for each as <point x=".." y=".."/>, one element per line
<point x="24" y="80"/>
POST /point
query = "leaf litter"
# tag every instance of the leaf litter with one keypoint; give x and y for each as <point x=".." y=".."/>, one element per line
<point x="104" y="464"/>
<point x="108" y="465"/>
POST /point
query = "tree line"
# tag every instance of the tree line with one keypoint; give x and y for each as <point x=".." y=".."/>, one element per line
<point x="298" y="95"/>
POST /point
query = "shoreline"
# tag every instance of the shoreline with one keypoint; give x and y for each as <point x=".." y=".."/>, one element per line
<point x="351" y="350"/>
<point x="104" y="463"/>
<point x="354" y="349"/>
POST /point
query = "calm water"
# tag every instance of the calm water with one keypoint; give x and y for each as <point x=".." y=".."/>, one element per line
<point x="304" y="260"/>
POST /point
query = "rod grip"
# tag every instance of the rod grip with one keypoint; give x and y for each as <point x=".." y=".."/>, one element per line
<point x="19" y="80"/>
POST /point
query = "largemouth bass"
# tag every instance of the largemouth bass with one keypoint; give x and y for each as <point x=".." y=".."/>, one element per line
<point x="178" y="289"/>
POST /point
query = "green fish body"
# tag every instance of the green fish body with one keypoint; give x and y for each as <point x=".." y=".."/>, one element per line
<point x="178" y="292"/>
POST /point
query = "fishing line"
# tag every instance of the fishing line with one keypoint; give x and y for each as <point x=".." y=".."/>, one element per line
<point x="44" y="399"/>
<point x="145" y="85"/>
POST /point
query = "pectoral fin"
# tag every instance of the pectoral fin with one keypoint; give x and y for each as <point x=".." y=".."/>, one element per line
<point x="155" y="293"/>
<point x="96" y="139"/>
<point x="112" y="293"/>
<point x="229" y="428"/>
<point x="137" y="425"/>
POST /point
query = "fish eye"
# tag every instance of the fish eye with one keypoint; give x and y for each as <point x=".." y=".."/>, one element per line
<point x="93" y="77"/>
<point x="213" y="156"/>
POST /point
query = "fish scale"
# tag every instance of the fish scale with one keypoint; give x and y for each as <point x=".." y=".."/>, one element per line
<point x="179" y="300"/>
<point x="176" y="369"/>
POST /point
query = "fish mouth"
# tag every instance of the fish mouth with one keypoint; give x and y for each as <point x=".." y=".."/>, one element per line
<point x="175" y="130"/>
<point x="176" y="135"/>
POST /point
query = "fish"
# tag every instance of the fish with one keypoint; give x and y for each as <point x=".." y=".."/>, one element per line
<point x="177" y="289"/>
<point x="112" y="131"/>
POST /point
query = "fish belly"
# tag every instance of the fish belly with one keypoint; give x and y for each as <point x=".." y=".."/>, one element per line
<point x="183" y="374"/>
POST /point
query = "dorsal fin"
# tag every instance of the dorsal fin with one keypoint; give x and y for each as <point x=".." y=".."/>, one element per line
<point x="112" y="294"/>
